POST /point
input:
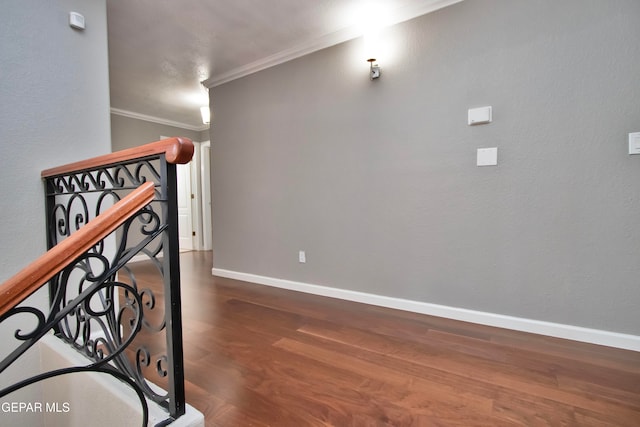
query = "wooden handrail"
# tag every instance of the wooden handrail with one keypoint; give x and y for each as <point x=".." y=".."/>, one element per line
<point x="177" y="150"/>
<point x="36" y="274"/>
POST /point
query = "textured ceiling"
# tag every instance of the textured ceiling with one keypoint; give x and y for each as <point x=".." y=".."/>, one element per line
<point x="160" y="50"/>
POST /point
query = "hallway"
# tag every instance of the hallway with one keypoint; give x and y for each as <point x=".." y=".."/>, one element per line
<point x="261" y="356"/>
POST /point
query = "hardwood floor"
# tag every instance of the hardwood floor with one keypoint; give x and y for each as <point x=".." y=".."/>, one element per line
<point x="260" y="356"/>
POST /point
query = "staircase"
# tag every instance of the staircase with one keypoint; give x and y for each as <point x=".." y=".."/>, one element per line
<point x="101" y="325"/>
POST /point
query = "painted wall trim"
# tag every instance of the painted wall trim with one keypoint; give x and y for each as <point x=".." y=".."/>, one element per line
<point x="323" y="42"/>
<point x="143" y="257"/>
<point x="159" y="120"/>
<point x="558" y="330"/>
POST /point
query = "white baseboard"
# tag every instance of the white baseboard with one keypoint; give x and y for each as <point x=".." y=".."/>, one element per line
<point x="144" y="257"/>
<point x="558" y="330"/>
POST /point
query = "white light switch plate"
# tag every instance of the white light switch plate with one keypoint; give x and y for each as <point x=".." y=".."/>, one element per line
<point x="487" y="156"/>
<point x="634" y="143"/>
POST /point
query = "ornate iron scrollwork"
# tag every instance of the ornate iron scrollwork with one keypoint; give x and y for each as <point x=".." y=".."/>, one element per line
<point x="98" y="305"/>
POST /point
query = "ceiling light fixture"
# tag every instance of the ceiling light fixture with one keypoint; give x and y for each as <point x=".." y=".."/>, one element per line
<point x="206" y="114"/>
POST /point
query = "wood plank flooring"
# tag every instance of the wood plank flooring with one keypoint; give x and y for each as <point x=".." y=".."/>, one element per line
<point x="261" y="356"/>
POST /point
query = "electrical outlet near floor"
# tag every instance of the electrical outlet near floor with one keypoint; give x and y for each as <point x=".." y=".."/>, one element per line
<point x="302" y="257"/>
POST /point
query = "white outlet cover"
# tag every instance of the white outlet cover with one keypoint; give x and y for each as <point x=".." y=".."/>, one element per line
<point x="487" y="156"/>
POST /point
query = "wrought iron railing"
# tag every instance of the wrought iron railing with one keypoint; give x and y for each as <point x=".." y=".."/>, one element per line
<point x="131" y="330"/>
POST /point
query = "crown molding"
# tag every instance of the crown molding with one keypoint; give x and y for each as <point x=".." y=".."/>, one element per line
<point x="424" y="7"/>
<point x="282" y="57"/>
<point x="159" y="120"/>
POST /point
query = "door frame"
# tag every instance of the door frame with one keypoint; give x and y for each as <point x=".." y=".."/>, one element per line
<point x="184" y="177"/>
<point x="206" y="231"/>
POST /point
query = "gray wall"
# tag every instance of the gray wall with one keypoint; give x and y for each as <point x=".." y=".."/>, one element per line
<point x="377" y="180"/>
<point x="127" y="132"/>
<point x="54" y="93"/>
<point x="54" y="87"/>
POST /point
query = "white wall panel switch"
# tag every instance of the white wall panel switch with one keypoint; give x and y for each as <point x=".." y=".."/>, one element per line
<point x="634" y="143"/>
<point x="487" y="156"/>
<point x="479" y="116"/>
<point x="302" y="257"/>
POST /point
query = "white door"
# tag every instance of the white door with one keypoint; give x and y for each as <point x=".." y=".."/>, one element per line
<point x="205" y="176"/>
<point x="185" y="221"/>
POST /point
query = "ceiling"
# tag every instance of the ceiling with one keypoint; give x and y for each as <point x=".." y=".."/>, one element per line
<point x="161" y="50"/>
